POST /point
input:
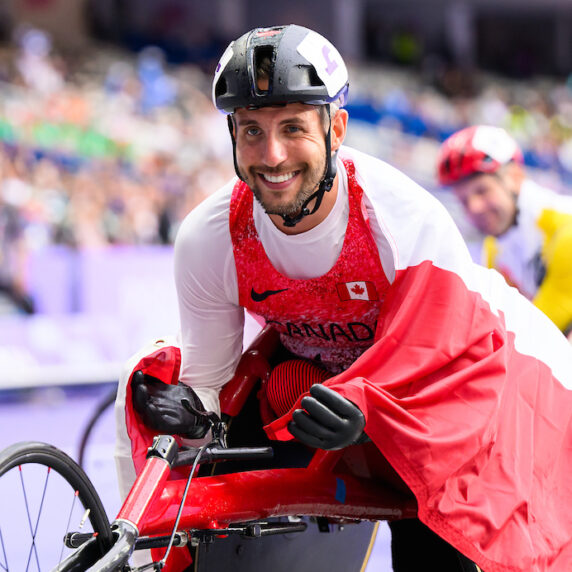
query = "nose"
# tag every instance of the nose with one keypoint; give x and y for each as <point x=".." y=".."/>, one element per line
<point x="274" y="152"/>
<point x="474" y="204"/>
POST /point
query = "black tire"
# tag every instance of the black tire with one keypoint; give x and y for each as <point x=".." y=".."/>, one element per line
<point x="46" y="483"/>
<point x="105" y="403"/>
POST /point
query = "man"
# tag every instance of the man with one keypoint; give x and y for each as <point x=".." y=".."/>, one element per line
<point x="528" y="228"/>
<point x="367" y="280"/>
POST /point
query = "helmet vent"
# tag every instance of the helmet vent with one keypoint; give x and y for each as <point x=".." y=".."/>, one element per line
<point x="221" y="87"/>
<point x="264" y="68"/>
<point x="313" y="77"/>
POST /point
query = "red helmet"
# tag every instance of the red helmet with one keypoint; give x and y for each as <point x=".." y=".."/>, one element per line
<point x="476" y="149"/>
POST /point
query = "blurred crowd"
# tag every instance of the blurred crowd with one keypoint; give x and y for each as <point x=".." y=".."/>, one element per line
<point x="116" y="149"/>
<point x="439" y="100"/>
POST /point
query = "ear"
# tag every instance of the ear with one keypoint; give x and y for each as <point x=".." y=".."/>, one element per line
<point x="339" y="128"/>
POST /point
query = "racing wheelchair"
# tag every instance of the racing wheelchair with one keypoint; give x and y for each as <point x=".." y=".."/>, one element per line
<point x="239" y="499"/>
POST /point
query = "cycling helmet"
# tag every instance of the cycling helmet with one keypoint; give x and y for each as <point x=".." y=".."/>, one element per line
<point x="476" y="149"/>
<point x="302" y="67"/>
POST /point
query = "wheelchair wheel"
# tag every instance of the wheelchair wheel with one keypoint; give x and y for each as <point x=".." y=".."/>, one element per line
<point x="97" y="414"/>
<point x="45" y="497"/>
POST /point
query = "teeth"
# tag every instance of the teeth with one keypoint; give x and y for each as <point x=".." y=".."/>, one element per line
<point x="278" y="178"/>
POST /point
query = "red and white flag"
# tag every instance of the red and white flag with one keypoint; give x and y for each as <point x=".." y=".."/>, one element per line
<point x="467" y="392"/>
<point x="357" y="291"/>
<point x="480" y="426"/>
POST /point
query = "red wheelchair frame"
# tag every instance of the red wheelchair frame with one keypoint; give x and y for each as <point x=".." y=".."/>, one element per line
<point x="343" y="486"/>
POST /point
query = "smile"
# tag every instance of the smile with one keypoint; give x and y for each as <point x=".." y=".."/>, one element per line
<point x="278" y="178"/>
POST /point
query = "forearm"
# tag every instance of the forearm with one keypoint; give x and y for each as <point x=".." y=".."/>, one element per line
<point x="211" y="320"/>
<point x="211" y="345"/>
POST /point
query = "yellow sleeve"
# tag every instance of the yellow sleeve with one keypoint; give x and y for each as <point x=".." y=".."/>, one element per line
<point x="554" y="297"/>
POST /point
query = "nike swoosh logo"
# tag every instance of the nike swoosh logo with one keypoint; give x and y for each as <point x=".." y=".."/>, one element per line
<point x="263" y="295"/>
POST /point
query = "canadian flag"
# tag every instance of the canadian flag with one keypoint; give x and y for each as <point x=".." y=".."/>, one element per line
<point x="357" y="291"/>
<point x="480" y="430"/>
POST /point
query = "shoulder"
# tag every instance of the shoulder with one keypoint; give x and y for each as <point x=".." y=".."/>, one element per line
<point x="203" y="246"/>
<point x="415" y="223"/>
<point x="208" y="221"/>
<point x="557" y="228"/>
<point x="536" y="198"/>
<point x="386" y="185"/>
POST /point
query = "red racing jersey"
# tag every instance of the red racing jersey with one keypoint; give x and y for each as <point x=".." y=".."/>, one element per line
<point x="466" y="386"/>
<point x="330" y="318"/>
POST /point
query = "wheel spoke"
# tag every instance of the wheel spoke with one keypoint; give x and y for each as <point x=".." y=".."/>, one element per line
<point x="48" y="472"/>
<point x="69" y="521"/>
<point x="33" y="529"/>
<point x="5" y="565"/>
<point x="43" y="511"/>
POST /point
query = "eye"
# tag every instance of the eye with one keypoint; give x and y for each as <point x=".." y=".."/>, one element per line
<point x="292" y="128"/>
<point x="252" y="131"/>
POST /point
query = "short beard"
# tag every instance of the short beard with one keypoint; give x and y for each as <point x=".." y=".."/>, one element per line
<point x="292" y="208"/>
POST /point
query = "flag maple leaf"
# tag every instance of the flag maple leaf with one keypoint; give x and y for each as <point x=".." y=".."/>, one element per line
<point x="357" y="289"/>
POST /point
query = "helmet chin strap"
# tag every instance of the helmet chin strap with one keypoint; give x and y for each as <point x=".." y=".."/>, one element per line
<point x="231" y="125"/>
<point x="325" y="184"/>
<point x="516" y="209"/>
<point x="514" y="197"/>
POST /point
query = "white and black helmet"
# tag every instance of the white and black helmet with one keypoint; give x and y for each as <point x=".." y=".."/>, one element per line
<point x="304" y="68"/>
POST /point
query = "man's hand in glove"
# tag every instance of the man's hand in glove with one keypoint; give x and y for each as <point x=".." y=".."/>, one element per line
<point x="328" y="420"/>
<point x="161" y="409"/>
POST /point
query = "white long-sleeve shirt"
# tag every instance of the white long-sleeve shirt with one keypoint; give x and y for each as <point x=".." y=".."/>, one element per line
<point x="470" y="380"/>
<point x="205" y="274"/>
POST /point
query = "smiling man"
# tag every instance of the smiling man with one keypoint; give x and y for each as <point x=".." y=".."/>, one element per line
<point x="527" y="228"/>
<point x="280" y="154"/>
<point x="390" y="331"/>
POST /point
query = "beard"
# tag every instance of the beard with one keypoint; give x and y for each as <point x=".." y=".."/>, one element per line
<point x="311" y="181"/>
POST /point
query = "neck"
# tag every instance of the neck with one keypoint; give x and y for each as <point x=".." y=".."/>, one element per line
<point x="313" y="220"/>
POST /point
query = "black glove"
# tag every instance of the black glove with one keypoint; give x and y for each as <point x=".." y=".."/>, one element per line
<point x="161" y="408"/>
<point x="328" y="420"/>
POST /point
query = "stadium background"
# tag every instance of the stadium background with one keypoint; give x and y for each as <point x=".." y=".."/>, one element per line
<point x="108" y="138"/>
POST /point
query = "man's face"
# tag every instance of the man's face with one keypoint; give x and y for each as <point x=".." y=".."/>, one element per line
<point x="489" y="202"/>
<point x="281" y="154"/>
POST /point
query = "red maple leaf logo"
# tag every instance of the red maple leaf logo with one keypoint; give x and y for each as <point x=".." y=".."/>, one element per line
<point x="357" y="289"/>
